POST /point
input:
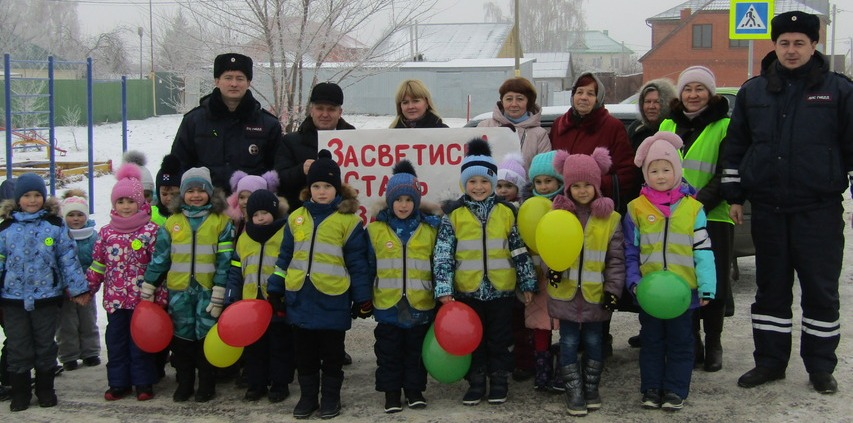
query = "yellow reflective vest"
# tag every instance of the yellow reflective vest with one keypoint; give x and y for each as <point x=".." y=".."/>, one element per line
<point x="403" y="269"/>
<point x="193" y="253"/>
<point x="587" y="272"/>
<point x="318" y="251"/>
<point x="483" y="249"/>
<point x="257" y="263"/>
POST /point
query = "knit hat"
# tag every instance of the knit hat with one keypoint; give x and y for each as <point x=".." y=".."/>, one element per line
<point x="324" y="169"/>
<point x="262" y="199"/>
<point x="403" y="182"/>
<point x="232" y="62"/>
<point x="543" y="164"/>
<point x="478" y="161"/>
<point x="698" y="74"/>
<point x="29" y="182"/>
<point x="196" y="177"/>
<point x="512" y="170"/>
<point x="582" y="167"/>
<point x="660" y="146"/>
<point x="327" y="92"/>
<point x="7" y="189"/>
<point x="72" y="204"/>
<point x="169" y="174"/>
<point x="129" y="184"/>
<point x="138" y="158"/>
<point x="795" y="21"/>
<point x="241" y="181"/>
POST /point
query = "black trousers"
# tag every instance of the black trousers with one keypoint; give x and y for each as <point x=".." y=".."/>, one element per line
<point x="270" y="360"/>
<point x="722" y="243"/>
<point x="494" y="354"/>
<point x="812" y="244"/>
<point x="30" y="337"/>
<point x="319" y="349"/>
<point x="398" y="357"/>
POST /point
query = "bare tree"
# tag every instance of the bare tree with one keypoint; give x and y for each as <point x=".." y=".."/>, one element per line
<point x="109" y="52"/>
<point x="544" y="25"/>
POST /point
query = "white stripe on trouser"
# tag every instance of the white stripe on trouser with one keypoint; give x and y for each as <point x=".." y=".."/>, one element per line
<point x="771" y="324"/>
<point x="821" y="329"/>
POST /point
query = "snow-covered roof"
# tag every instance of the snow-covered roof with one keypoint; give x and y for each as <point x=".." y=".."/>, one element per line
<point x="592" y="42"/>
<point x="550" y="65"/>
<point x="780" y="6"/>
<point x="442" y="42"/>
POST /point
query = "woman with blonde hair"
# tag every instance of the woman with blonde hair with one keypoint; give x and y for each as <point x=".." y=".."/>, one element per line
<point x="415" y="107"/>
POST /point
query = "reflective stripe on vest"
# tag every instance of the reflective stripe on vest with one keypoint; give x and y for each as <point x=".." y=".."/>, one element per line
<point x="479" y="251"/>
<point x="400" y="266"/>
<point x="257" y="262"/>
<point x="589" y="267"/>
<point x="318" y="253"/>
<point x="700" y="161"/>
<point x="674" y="253"/>
<point x="193" y="254"/>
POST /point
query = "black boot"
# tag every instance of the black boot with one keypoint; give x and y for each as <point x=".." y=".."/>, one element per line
<point x="183" y="360"/>
<point x="713" y="344"/>
<point x="575" y="402"/>
<point x="21" y="391"/>
<point x="591" y="377"/>
<point x="330" y="402"/>
<point x="498" y="387"/>
<point x="186" y="382"/>
<point x="698" y="346"/>
<point x="476" y="387"/>
<point x="544" y="366"/>
<point x="206" y="375"/>
<point x="44" y="388"/>
<point x="309" y="387"/>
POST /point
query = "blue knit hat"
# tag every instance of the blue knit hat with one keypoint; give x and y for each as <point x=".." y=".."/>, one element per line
<point x="478" y="161"/>
<point x="197" y="177"/>
<point x="403" y="182"/>
<point x="29" y="182"/>
<point x="543" y="164"/>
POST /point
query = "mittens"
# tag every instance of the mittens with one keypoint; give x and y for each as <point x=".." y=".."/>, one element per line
<point x="146" y="291"/>
<point x="217" y="300"/>
<point x="279" y="309"/>
<point x="554" y="277"/>
<point x="362" y="310"/>
<point x="610" y="301"/>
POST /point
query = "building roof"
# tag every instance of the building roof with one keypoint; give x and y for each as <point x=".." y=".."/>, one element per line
<point x="780" y="6"/>
<point x="443" y="42"/>
<point x="592" y="42"/>
<point x="550" y="65"/>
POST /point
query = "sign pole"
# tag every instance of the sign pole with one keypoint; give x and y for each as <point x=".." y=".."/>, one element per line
<point x="749" y="62"/>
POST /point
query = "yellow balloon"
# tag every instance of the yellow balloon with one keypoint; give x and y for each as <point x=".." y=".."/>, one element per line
<point x="559" y="238"/>
<point x="529" y="214"/>
<point x="219" y="353"/>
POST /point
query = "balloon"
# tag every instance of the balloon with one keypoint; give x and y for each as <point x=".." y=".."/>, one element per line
<point x="219" y="353"/>
<point x="663" y="294"/>
<point x="441" y="365"/>
<point x="150" y="327"/>
<point x="559" y="239"/>
<point x="529" y="213"/>
<point x="244" y="322"/>
<point x="458" y="328"/>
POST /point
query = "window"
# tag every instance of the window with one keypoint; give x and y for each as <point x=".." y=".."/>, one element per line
<point x="738" y="43"/>
<point x="702" y="36"/>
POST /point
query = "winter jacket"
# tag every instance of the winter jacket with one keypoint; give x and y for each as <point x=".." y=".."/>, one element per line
<point x="119" y="262"/>
<point x="38" y="258"/>
<point x="429" y="120"/>
<point x="789" y="145"/>
<point x="308" y="307"/>
<point x="296" y="147"/>
<point x="210" y="135"/>
<point x="85" y="238"/>
<point x="581" y="135"/>
<point x="532" y="137"/>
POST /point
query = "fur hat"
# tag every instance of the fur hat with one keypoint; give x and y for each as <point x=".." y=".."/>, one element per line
<point x="403" y="182"/>
<point x="698" y="74"/>
<point x="138" y="158"/>
<point x="129" y="184"/>
<point x="74" y="200"/>
<point x="512" y="170"/>
<point x="327" y="92"/>
<point x="232" y="62"/>
<point x="324" y="169"/>
<point x="263" y="199"/>
<point x="660" y="146"/>
<point x="478" y="161"/>
<point x="197" y="177"/>
<point x="795" y="21"/>
<point x="29" y="182"/>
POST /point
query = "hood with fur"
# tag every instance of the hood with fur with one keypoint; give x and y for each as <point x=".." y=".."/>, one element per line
<point x="349" y="198"/>
<point x="217" y="200"/>
<point x="51" y="204"/>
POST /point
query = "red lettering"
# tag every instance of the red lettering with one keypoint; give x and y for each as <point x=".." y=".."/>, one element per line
<point x="419" y="148"/>
<point x="368" y="179"/>
<point x="400" y="151"/>
<point x="424" y="188"/>
<point x="336" y="144"/>
<point x="383" y="185"/>
<point x="350" y="176"/>
<point x="385" y="158"/>
<point x="365" y="161"/>
<point x="436" y="154"/>
<point x="454" y="159"/>
<point x="350" y="159"/>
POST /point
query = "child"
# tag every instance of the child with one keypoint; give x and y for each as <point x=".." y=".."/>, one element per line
<point x="78" y="336"/>
<point x="322" y="272"/>
<point x="242" y="186"/>
<point x="400" y="256"/>
<point x="121" y="254"/>
<point x="193" y="252"/>
<point x="269" y="361"/>
<point x="476" y="226"/>
<point x="39" y="262"/>
<point x="583" y="303"/>
<point x="168" y="187"/>
<point x="511" y="178"/>
<point x="665" y="230"/>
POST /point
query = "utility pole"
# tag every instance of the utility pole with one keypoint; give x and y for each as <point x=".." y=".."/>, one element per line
<point x="832" y="46"/>
<point x="153" y="76"/>
<point x="517" y="38"/>
<point x="140" y="31"/>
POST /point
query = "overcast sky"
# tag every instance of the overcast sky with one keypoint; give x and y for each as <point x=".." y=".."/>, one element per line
<point x="624" y="19"/>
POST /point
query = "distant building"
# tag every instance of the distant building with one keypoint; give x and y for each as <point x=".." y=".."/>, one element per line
<point x="443" y="42"/>
<point x="595" y="51"/>
<point x="552" y="73"/>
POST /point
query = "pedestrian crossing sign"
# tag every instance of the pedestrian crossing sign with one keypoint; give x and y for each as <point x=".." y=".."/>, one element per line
<point x="750" y="19"/>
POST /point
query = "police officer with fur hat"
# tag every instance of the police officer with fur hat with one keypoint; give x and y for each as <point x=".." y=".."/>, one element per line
<point x="229" y="130"/>
<point x="789" y="152"/>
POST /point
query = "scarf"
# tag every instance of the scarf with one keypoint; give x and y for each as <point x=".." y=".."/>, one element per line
<point x="663" y="200"/>
<point x="691" y="115"/>
<point x="82" y="233"/>
<point x="520" y="119"/>
<point x="126" y="225"/>
<point x="193" y="211"/>
<point x="263" y="233"/>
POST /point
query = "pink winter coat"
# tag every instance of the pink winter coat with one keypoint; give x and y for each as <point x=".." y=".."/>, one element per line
<point x="532" y="137"/>
<point x="536" y="314"/>
<point x="125" y="256"/>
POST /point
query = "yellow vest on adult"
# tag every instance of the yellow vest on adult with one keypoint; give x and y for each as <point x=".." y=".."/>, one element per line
<point x="666" y="243"/>
<point x="700" y="161"/>
<point x="403" y="268"/>
<point x="257" y="262"/>
<point x="194" y="252"/>
<point x="318" y="252"/>
<point x="587" y="272"/>
<point x="483" y="249"/>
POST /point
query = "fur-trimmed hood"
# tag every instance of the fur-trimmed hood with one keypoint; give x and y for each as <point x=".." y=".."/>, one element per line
<point x="51" y="204"/>
<point x="666" y="93"/>
<point x="217" y="200"/>
<point x="349" y="198"/>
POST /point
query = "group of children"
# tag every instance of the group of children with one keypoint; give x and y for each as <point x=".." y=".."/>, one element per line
<point x="320" y="268"/>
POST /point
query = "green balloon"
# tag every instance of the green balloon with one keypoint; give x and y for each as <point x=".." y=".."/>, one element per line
<point x="441" y="365"/>
<point x="663" y="294"/>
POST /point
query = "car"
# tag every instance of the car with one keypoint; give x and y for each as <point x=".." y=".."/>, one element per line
<point x="626" y="113"/>
<point x="728" y="92"/>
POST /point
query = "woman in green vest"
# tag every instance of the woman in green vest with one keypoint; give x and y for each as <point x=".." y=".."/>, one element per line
<point x="700" y="117"/>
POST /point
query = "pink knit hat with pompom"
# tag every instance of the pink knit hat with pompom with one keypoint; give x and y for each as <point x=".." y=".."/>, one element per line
<point x="660" y="146"/>
<point x="586" y="168"/>
<point x="129" y="184"/>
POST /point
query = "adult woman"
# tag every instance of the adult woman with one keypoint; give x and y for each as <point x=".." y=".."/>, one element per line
<point x="700" y="117"/>
<point x="414" y="107"/>
<point x="517" y="110"/>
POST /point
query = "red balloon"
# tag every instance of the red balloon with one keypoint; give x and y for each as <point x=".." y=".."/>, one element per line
<point x="150" y="327"/>
<point x="458" y="328"/>
<point x="244" y="322"/>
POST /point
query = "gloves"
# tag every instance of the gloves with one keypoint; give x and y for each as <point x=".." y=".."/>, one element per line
<point x="610" y="301"/>
<point x="278" y="307"/>
<point x="146" y="291"/>
<point x="217" y="300"/>
<point x="554" y="277"/>
<point x="362" y="310"/>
